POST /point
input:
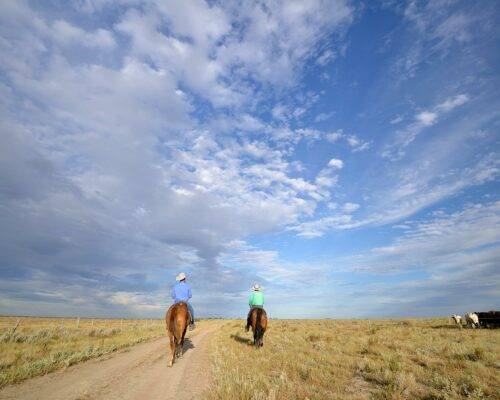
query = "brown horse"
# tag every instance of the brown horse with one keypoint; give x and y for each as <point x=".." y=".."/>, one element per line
<point x="257" y="319"/>
<point x="177" y="319"/>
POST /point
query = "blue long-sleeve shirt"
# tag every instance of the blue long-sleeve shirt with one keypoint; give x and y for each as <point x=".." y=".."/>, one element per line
<point x="181" y="292"/>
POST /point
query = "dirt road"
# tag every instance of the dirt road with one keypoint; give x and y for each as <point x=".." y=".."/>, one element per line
<point x="139" y="373"/>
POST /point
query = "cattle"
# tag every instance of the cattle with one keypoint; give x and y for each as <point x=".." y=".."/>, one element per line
<point x="490" y="319"/>
<point x="472" y="320"/>
<point x="457" y="319"/>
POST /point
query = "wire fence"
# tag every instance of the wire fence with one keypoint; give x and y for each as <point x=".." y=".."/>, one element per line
<point x="14" y="323"/>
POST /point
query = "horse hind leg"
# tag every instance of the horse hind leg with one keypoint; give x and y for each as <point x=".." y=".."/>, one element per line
<point x="178" y="349"/>
<point x="181" y="347"/>
<point x="256" y="338"/>
<point x="172" y="349"/>
<point x="177" y="341"/>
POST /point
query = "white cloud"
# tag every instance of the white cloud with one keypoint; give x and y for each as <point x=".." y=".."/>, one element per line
<point x="455" y="28"/>
<point x="308" y="133"/>
<point x="327" y="56"/>
<point x="439" y="242"/>
<point x="438" y="27"/>
<point x="436" y="259"/>
<point x="423" y="119"/>
<point x="452" y="102"/>
<point x="332" y="206"/>
<point x="209" y="46"/>
<point x="426" y="118"/>
<point x="280" y="112"/>
<point x="336" y="163"/>
<point x="325" y="179"/>
<point x="357" y="144"/>
<point x="67" y="34"/>
<point x="412" y="192"/>
<point x="323" y="117"/>
<point x="350" y="207"/>
<point x="334" y="136"/>
<point x="396" y="120"/>
<point x="249" y="123"/>
<point x="317" y="228"/>
<point x="281" y="35"/>
<point x="189" y="61"/>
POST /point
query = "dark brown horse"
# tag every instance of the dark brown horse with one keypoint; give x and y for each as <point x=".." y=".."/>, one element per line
<point x="177" y="319"/>
<point x="257" y="319"/>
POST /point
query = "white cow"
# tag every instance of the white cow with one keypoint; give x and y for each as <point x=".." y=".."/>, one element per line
<point x="471" y="319"/>
<point x="457" y="319"/>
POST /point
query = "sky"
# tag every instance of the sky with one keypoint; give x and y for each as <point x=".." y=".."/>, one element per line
<point x="342" y="154"/>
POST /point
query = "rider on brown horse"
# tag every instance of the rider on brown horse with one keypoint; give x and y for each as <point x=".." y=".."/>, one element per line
<point x="256" y="300"/>
<point x="182" y="292"/>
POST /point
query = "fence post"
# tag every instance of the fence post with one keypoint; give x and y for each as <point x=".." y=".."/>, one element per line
<point x="77" y="322"/>
<point x="15" y="327"/>
<point x="92" y="323"/>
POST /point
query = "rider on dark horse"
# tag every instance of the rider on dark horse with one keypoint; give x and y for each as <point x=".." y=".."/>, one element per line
<point x="256" y="300"/>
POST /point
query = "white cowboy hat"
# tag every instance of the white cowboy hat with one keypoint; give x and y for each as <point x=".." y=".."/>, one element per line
<point x="180" y="277"/>
<point x="256" y="287"/>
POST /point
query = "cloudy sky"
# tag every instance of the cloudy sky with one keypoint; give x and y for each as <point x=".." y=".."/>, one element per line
<point x="342" y="154"/>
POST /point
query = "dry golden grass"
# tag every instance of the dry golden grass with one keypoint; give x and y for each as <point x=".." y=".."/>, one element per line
<point x="42" y="345"/>
<point x="357" y="359"/>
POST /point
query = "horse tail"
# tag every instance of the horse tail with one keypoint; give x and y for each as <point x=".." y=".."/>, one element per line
<point x="176" y="320"/>
<point x="259" y="329"/>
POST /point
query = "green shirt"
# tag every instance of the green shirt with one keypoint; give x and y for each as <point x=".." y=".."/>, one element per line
<point x="256" y="299"/>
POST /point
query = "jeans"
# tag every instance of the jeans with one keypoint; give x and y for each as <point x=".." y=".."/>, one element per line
<point x="191" y="311"/>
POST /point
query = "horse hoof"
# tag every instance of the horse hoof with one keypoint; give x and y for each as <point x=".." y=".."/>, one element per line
<point x="170" y="363"/>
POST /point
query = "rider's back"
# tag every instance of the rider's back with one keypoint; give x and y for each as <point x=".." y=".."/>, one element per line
<point x="256" y="299"/>
<point x="181" y="291"/>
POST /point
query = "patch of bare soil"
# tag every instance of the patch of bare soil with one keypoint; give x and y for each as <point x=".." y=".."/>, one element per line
<point x="139" y="373"/>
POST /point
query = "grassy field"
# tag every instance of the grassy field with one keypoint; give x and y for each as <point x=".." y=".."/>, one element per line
<point x="41" y="345"/>
<point x="357" y="359"/>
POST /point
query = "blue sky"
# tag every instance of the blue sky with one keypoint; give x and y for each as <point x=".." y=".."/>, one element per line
<point x="342" y="154"/>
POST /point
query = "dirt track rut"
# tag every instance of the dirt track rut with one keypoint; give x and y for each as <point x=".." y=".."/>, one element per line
<point x="139" y="373"/>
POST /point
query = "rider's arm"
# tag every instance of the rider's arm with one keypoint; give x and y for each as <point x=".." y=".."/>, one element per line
<point x="189" y="293"/>
<point x="250" y="300"/>
<point x="173" y="294"/>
